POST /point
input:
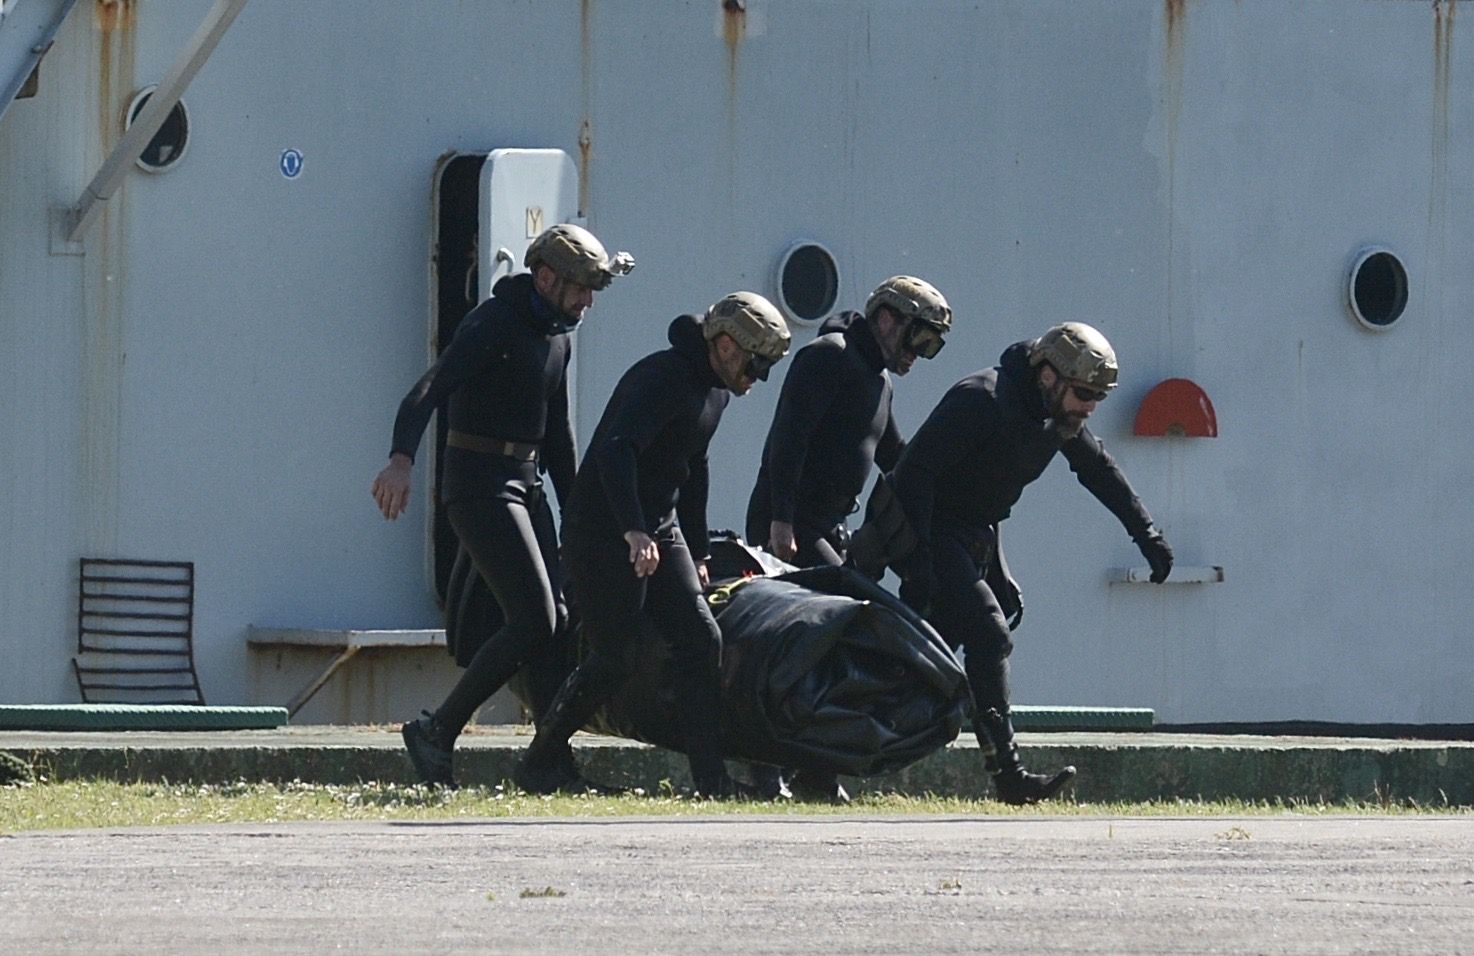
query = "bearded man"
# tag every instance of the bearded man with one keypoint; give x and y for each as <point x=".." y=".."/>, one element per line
<point x="992" y="434"/>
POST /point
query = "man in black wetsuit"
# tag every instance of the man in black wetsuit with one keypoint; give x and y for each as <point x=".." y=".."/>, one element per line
<point x="834" y="422"/>
<point x="505" y="376"/>
<point x="992" y="434"/>
<point x="635" y="536"/>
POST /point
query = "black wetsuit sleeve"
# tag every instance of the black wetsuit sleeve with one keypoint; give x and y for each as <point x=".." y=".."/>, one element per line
<point x="649" y="404"/>
<point x="691" y="508"/>
<point x="1097" y="471"/>
<point x="811" y="384"/>
<point x="474" y="344"/>
<point x="888" y="451"/>
<point x="959" y="426"/>
<point x="559" y="457"/>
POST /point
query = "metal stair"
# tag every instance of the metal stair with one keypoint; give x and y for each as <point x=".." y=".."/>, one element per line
<point x="27" y="30"/>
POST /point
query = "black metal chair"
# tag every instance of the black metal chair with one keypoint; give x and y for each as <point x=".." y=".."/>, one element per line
<point x="135" y="632"/>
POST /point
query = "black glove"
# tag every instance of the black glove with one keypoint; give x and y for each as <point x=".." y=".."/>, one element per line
<point x="1158" y="553"/>
<point x="866" y="552"/>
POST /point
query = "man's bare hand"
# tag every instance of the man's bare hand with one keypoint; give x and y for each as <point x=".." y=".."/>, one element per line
<point x="391" y="487"/>
<point x="703" y="574"/>
<point x="780" y="541"/>
<point x="644" y="553"/>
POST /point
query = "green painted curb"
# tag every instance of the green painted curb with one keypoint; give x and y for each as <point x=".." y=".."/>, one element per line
<point x="1112" y="768"/>
<point x="106" y="717"/>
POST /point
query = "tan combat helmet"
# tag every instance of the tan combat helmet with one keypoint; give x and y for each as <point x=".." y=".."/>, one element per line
<point x="912" y="298"/>
<point x="752" y="322"/>
<point x="1077" y="352"/>
<point x="574" y="254"/>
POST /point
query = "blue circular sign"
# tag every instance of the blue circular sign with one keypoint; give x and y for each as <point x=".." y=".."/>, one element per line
<point x="291" y="163"/>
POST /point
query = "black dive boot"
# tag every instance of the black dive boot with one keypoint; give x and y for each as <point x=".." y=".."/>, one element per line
<point x="769" y="781"/>
<point x="431" y="750"/>
<point x="1012" y="783"/>
<point x="710" y="780"/>
<point x="548" y="765"/>
<point x="698" y="707"/>
<point x="817" y="786"/>
<point x="709" y="775"/>
<point x="781" y="783"/>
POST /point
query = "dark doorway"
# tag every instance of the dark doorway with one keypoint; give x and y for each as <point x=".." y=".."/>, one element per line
<point x="455" y="279"/>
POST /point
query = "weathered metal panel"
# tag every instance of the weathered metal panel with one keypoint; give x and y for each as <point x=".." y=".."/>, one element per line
<point x="224" y="362"/>
<point x="44" y="323"/>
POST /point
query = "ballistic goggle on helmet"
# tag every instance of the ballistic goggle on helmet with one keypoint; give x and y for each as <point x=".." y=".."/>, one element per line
<point x="921" y="305"/>
<point x="573" y="253"/>
<point x="1078" y="353"/>
<point x="755" y="325"/>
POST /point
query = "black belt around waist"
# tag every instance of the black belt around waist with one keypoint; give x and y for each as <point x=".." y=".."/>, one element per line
<point x="520" y="450"/>
<point x="830" y="507"/>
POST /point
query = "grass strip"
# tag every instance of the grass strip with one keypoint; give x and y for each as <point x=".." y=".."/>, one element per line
<point x="74" y="804"/>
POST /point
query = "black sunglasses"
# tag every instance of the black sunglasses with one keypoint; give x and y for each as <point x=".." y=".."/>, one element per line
<point x="1088" y="394"/>
<point x="758" y="367"/>
<point x="924" y="340"/>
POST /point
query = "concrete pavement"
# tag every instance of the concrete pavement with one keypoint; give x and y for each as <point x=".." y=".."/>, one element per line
<point x="1283" y="884"/>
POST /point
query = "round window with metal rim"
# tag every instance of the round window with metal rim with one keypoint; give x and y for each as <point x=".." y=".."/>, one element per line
<point x="1377" y="288"/>
<point x="808" y="282"/>
<point x="169" y="144"/>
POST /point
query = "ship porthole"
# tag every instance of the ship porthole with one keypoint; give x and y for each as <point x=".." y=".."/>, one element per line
<point x="169" y="143"/>
<point x="1377" y="288"/>
<point x="808" y="282"/>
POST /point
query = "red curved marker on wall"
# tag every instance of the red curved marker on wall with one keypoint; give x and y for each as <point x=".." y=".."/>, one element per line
<point x="1177" y="407"/>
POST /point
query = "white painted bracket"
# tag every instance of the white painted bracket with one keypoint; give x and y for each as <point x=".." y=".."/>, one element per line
<point x="58" y="244"/>
<point x="1181" y="574"/>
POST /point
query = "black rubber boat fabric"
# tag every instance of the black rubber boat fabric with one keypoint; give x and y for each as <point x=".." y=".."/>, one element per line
<point x="821" y="669"/>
